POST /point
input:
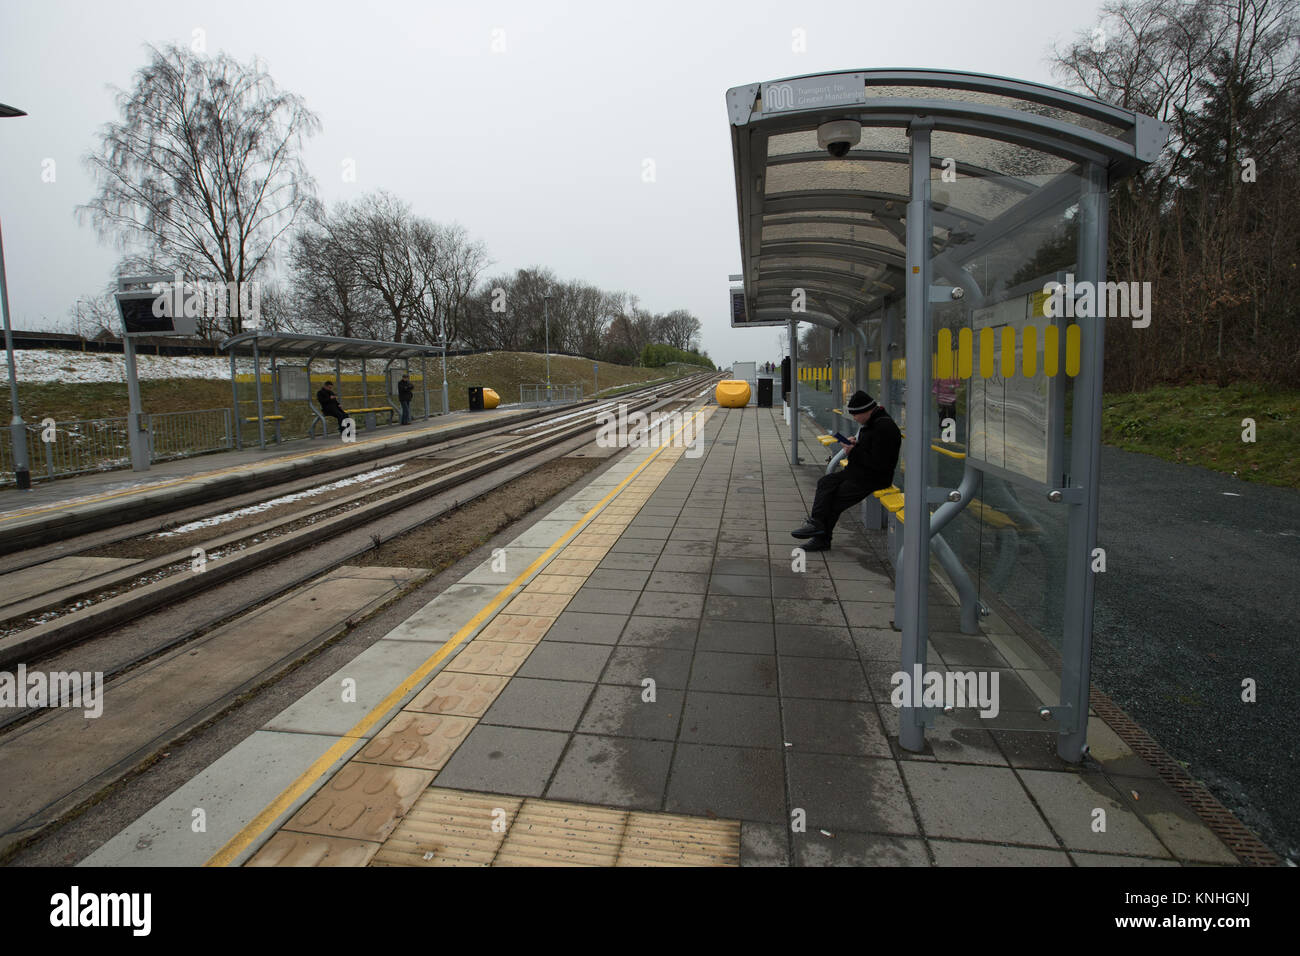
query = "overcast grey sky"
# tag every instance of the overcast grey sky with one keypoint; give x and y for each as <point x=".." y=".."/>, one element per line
<point x="537" y="150"/>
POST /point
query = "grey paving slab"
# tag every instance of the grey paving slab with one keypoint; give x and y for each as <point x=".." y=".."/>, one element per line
<point x="849" y="792"/>
<point x="764" y="844"/>
<point x="559" y="660"/>
<point x="742" y="549"/>
<point x="855" y="589"/>
<point x="669" y="604"/>
<point x="603" y="601"/>
<point x="752" y="567"/>
<point x="334" y="707"/>
<point x="614" y="771"/>
<point x="685" y="532"/>
<point x="624" y="711"/>
<point x="740" y="720"/>
<point x="688" y="563"/>
<point x="737" y="637"/>
<point x="866" y="614"/>
<point x="815" y="640"/>
<point x="231" y="791"/>
<point x="736" y="783"/>
<point x="504" y="760"/>
<point x="646" y="520"/>
<point x="833" y="726"/>
<point x="962" y="650"/>
<point x="844" y="848"/>
<point x="734" y="673"/>
<point x="586" y="628"/>
<point x="699" y="548"/>
<point x="629" y="545"/>
<point x="878" y="644"/>
<point x="678" y="633"/>
<point x="632" y="664"/>
<point x="952" y="853"/>
<point x="741" y="585"/>
<point x="810" y="611"/>
<point x="802" y="586"/>
<point x="822" y="678"/>
<point x="1070" y="802"/>
<point x="975" y="803"/>
<point x="618" y="579"/>
<point x="628" y="562"/>
<point x="540" y="704"/>
<point x="1108" y="859"/>
<point x="726" y="608"/>
<point x="679" y="582"/>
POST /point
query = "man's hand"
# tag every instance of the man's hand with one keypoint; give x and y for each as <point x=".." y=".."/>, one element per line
<point x="850" y="443"/>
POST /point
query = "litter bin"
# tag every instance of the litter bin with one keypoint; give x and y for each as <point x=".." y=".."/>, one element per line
<point x="476" y="398"/>
<point x="764" y="393"/>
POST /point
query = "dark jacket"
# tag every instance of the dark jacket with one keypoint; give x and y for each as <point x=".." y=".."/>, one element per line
<point x="329" y="403"/>
<point x="405" y="390"/>
<point x="873" y="459"/>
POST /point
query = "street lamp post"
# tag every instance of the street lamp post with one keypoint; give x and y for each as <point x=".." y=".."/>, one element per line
<point x="17" y="427"/>
<point x="445" y="406"/>
<point x="546" y="315"/>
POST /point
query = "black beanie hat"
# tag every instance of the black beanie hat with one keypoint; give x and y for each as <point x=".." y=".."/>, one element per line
<point x="861" y="402"/>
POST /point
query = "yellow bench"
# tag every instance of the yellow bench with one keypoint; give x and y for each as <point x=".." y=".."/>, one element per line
<point x="370" y="413"/>
<point x="266" y="418"/>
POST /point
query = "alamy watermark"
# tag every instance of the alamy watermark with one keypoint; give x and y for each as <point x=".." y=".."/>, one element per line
<point x="1080" y="300"/>
<point x="954" y="689"/>
<point x="212" y="300"/>
<point x="23" y="689"/>
<point x="637" y="430"/>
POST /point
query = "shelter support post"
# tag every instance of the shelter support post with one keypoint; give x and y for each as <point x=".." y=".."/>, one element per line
<point x="257" y="390"/>
<point x="914" y="569"/>
<point x="1076" y="640"/>
<point x="234" y="403"/>
<point x="424" y="385"/>
<point x="794" y="392"/>
<point x="137" y="431"/>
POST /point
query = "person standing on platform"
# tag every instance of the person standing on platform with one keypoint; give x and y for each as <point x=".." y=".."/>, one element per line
<point x="405" y="392"/>
<point x="872" y="458"/>
<point x="329" y="404"/>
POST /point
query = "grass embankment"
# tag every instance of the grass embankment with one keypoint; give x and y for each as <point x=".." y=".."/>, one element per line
<point x="1202" y="425"/>
<point x="502" y="371"/>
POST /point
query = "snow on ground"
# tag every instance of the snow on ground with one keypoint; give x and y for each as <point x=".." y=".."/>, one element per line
<point x="65" y="365"/>
<point x="283" y="499"/>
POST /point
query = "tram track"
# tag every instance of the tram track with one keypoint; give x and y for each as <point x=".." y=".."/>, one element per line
<point x="62" y="618"/>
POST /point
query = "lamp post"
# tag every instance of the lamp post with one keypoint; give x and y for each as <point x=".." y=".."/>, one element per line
<point x="17" y="427"/>
<point x="445" y="406"/>
<point x="546" y="315"/>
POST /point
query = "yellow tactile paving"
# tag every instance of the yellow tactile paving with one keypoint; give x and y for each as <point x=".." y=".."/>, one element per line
<point x="413" y="739"/>
<point x="538" y="605"/>
<point x="548" y="833"/>
<point x="490" y="657"/>
<point x="584" y="553"/>
<point x="583" y="567"/>
<point x="661" y="839"/>
<point x="450" y="828"/>
<point x="516" y="629"/>
<point x="469" y="695"/>
<point x="362" y="802"/>
<point x="566" y="584"/>
<point x="287" y="848"/>
<point x="591" y="539"/>
<point x="459" y="828"/>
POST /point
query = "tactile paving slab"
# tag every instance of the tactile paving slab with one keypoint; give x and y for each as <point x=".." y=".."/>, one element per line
<point x="361" y="802"/>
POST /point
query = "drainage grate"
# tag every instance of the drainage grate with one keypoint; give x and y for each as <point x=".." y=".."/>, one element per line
<point x="1214" y="814"/>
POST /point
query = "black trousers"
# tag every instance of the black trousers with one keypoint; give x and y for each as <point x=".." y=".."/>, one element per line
<point x="836" y="493"/>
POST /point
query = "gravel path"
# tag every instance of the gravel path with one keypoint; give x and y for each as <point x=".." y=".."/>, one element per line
<point x="1201" y="591"/>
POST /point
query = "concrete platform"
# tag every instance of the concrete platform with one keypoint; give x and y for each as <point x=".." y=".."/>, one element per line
<point x="649" y="666"/>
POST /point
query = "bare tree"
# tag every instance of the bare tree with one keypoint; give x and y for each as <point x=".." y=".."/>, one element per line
<point x="203" y="172"/>
<point x="331" y="297"/>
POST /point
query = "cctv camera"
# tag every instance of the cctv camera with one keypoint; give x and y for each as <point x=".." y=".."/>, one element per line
<point x="839" y="136"/>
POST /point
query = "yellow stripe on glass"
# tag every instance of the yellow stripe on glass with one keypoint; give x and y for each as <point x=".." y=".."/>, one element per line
<point x="1008" y="352"/>
<point x="943" y="355"/>
<point x="1031" y="351"/>
<point x="964" y="339"/>
<point x="1051" y="350"/>
<point x="1072" y="350"/>
<point x="986" y="353"/>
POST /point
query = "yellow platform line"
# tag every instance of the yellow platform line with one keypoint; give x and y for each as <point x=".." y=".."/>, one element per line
<point x="258" y="825"/>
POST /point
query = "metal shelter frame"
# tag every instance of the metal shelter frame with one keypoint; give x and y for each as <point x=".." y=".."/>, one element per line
<point x="259" y="344"/>
<point x="854" y="241"/>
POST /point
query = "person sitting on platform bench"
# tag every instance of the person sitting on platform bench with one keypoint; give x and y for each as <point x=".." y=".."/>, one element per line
<point x="872" y="458"/>
<point x="329" y="404"/>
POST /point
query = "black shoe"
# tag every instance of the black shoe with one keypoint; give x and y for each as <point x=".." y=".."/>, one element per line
<point x="818" y="544"/>
<point x="810" y="529"/>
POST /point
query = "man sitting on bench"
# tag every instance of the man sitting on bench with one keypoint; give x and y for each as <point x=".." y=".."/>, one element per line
<point x="329" y="404"/>
<point x="872" y="458"/>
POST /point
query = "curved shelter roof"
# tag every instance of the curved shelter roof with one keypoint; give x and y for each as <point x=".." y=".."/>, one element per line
<point x="290" y="345"/>
<point x="836" y="226"/>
